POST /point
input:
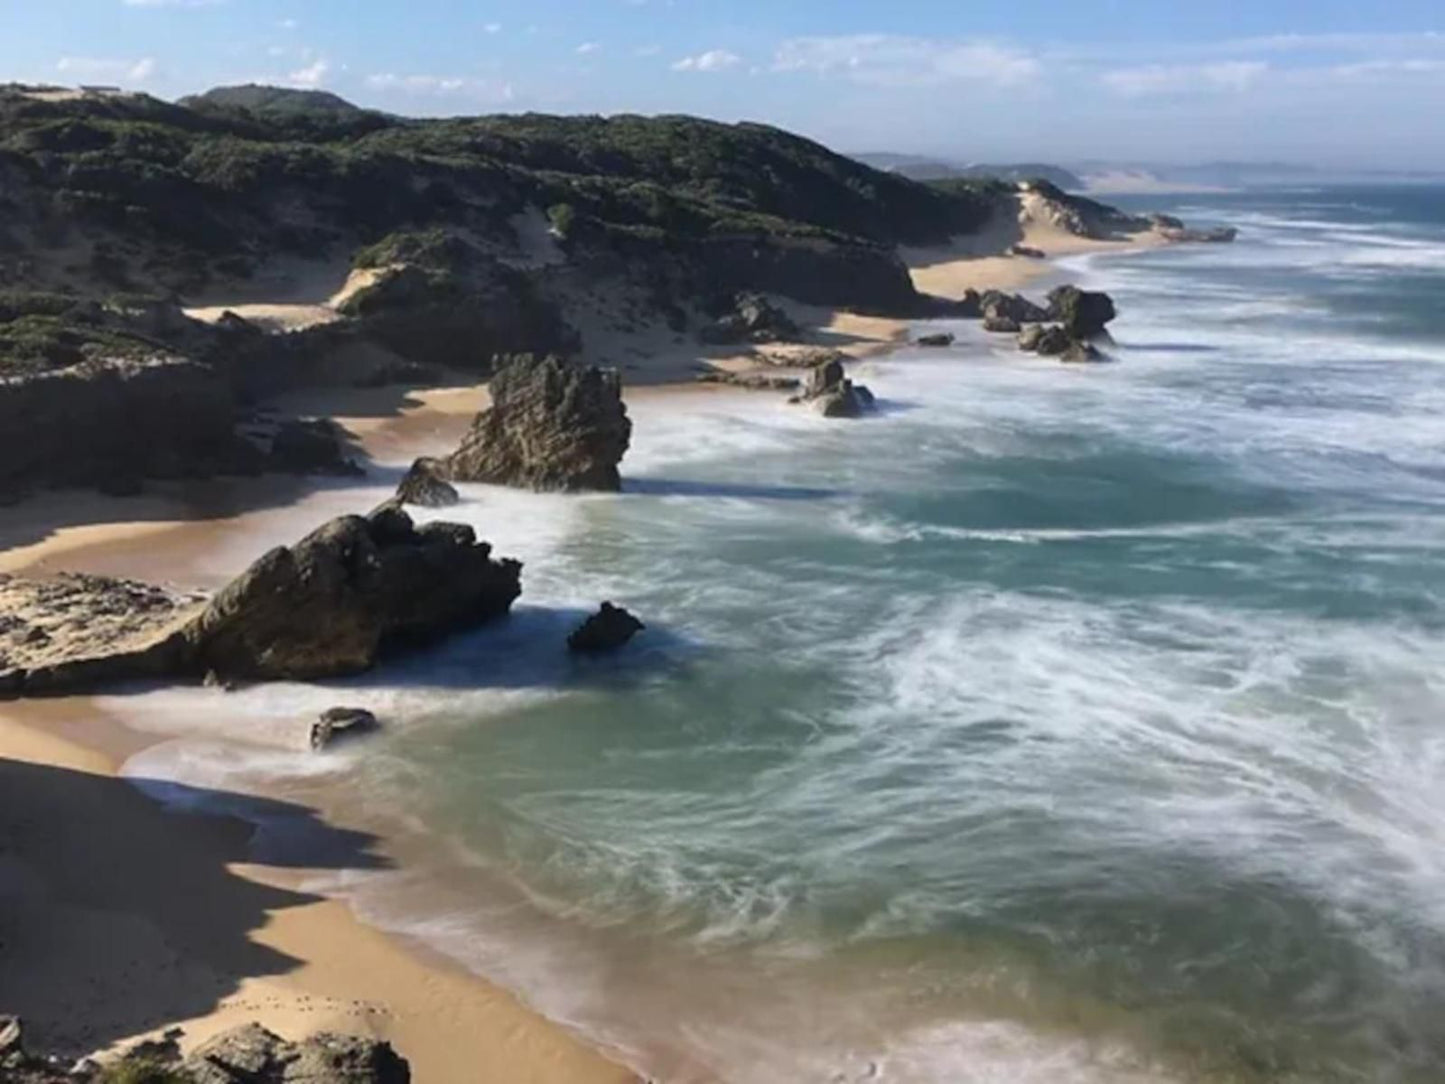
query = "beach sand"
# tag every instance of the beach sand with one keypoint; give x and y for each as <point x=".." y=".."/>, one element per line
<point x="118" y="918"/>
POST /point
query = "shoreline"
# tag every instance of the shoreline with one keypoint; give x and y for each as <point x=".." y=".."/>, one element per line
<point x="341" y="973"/>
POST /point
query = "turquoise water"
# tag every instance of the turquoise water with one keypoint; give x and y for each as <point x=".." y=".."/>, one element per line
<point x="1057" y="724"/>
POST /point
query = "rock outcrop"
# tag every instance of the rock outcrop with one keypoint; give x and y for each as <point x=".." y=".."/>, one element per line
<point x="1219" y="235"/>
<point x="753" y="381"/>
<point x="73" y="632"/>
<point x="1049" y="341"/>
<point x="314" y="446"/>
<point x="330" y="605"/>
<point x="339" y="598"/>
<point x="1084" y="314"/>
<point x="829" y="391"/>
<point x="551" y="426"/>
<point x="253" y="1055"/>
<point x="424" y="486"/>
<point x="609" y="629"/>
<point x="751" y="318"/>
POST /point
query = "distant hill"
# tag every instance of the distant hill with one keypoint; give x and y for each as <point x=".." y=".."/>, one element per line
<point x="932" y="169"/>
<point x="264" y="99"/>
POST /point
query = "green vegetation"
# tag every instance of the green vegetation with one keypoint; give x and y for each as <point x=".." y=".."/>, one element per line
<point x="44" y="331"/>
<point x="563" y="217"/>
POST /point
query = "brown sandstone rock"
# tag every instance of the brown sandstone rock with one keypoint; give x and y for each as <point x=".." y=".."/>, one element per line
<point x="551" y="426"/>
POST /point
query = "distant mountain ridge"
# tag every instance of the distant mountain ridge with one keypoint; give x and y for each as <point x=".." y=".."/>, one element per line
<point x="920" y="168"/>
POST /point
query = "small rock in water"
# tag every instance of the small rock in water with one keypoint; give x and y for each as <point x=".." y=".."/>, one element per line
<point x="608" y="629"/>
<point x="336" y="724"/>
<point x="943" y="338"/>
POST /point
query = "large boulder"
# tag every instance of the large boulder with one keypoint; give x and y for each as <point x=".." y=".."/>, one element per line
<point x="1050" y="341"/>
<point x="551" y="426"/>
<point x="829" y="391"/>
<point x="424" y="486"/>
<point x="609" y="629"/>
<point x="332" y="603"/>
<point x="1084" y="314"/>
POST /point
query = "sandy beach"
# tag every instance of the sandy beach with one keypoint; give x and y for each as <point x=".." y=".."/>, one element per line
<point x="122" y="919"/>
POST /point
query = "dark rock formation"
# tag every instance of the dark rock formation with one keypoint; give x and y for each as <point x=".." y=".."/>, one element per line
<point x="609" y="629"/>
<point x="1081" y="352"/>
<point x="111" y="423"/>
<point x="751" y="318"/>
<point x="1003" y="325"/>
<point x="829" y="391"/>
<point x="1084" y="314"/>
<point x="1050" y="341"/>
<point x="551" y="426"/>
<point x="311" y="447"/>
<point x="424" y="486"/>
<point x="350" y="590"/>
<point x="337" y="724"/>
<point x="1028" y="252"/>
<point x="943" y="338"/>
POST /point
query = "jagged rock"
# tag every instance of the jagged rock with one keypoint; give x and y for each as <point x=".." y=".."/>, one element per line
<point x="1029" y="337"/>
<point x="1004" y="307"/>
<point x="609" y="629"/>
<point x="753" y="318"/>
<point x="943" y="338"/>
<point x="833" y="395"/>
<point x="337" y="724"/>
<point x="551" y="426"/>
<point x="1083" y="313"/>
<point x="751" y="381"/>
<point x="311" y="447"/>
<point x="423" y="486"/>
<point x="331" y="604"/>
<point x="1003" y="325"/>
<point x="253" y="1055"/>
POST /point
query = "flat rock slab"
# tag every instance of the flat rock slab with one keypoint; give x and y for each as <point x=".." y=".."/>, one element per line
<point x="71" y="630"/>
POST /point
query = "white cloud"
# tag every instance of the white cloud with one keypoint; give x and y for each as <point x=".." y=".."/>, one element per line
<point x="894" y="60"/>
<point x="714" y="60"/>
<point x="313" y="75"/>
<point x="92" y="68"/>
<point x="588" y="47"/>
<point x="443" y="86"/>
<point x="1367" y="69"/>
<point x="493" y="28"/>
<point x="1227" y="76"/>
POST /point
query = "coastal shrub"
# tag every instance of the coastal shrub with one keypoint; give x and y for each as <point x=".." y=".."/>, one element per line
<point x="563" y="217"/>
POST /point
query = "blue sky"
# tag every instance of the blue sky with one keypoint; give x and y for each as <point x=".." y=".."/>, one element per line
<point x="1327" y="81"/>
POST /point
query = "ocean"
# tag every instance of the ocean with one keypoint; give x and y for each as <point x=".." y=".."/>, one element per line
<point x="1057" y="724"/>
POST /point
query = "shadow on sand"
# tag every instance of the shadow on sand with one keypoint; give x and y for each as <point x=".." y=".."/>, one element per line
<point x="118" y="917"/>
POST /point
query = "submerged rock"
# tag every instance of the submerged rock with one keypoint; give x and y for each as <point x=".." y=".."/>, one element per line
<point x="1084" y="314"/>
<point x="609" y="629"/>
<point x="551" y="426"/>
<point x="942" y="338"/>
<point x="337" y="724"/>
<point x="424" y="486"/>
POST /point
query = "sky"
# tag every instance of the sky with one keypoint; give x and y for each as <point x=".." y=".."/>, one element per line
<point x="1334" y="83"/>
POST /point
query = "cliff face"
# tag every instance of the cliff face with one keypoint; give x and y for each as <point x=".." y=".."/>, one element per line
<point x="111" y="423"/>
